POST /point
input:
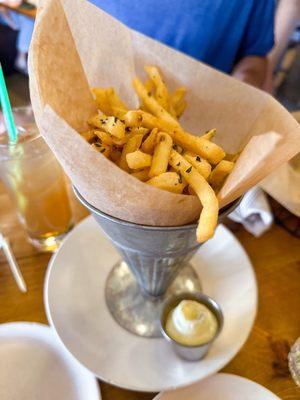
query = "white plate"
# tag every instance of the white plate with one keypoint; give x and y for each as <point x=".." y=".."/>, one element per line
<point x="35" y="366"/>
<point x="75" y="305"/>
<point x="221" y="387"/>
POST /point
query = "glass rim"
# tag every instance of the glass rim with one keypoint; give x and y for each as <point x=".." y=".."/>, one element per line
<point x="30" y="140"/>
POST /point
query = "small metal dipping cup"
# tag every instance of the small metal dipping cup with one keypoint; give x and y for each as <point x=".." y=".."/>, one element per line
<point x="191" y="353"/>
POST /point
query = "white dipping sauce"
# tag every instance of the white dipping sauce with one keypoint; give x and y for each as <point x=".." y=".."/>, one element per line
<point x="191" y="323"/>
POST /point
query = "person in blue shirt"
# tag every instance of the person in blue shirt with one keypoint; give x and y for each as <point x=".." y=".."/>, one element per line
<point x="233" y="36"/>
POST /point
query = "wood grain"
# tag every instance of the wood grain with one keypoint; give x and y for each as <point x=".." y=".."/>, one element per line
<point x="276" y="260"/>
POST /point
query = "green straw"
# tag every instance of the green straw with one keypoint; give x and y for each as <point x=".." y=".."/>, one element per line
<point x="7" y="111"/>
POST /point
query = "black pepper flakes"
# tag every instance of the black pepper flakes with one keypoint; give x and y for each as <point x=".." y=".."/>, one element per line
<point x="177" y="165"/>
<point x="188" y="170"/>
<point x="102" y="150"/>
<point x="127" y="129"/>
<point x="180" y="179"/>
<point x="198" y="158"/>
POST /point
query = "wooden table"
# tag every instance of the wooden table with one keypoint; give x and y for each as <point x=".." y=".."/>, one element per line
<point x="276" y="260"/>
<point x="29" y="12"/>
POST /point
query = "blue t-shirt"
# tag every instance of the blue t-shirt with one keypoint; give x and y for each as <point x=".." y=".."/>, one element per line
<point x="217" y="32"/>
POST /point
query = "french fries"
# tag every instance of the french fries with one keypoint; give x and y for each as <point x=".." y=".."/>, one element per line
<point x="89" y="135"/>
<point x="111" y="125"/>
<point x="209" y="134"/>
<point x="209" y="214"/>
<point x="131" y="146"/>
<point x="170" y="181"/>
<point x="101" y="99"/>
<point x="103" y="137"/>
<point x="150" y="144"/>
<point x="201" y="165"/>
<point x="161" y="154"/>
<point x="109" y="102"/>
<point x="178" y="103"/>
<point x="101" y="148"/>
<point x="161" y="92"/>
<point x="142" y="175"/>
<point x="206" y="149"/>
<point x="138" y="160"/>
<point x="220" y="173"/>
<point x="202" y="146"/>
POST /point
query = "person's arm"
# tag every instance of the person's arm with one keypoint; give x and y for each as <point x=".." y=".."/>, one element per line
<point x="252" y="70"/>
<point x="258" y="39"/>
<point x="286" y="20"/>
<point x="287" y="17"/>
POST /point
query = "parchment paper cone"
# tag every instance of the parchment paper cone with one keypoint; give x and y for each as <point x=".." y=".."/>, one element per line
<point x="75" y="45"/>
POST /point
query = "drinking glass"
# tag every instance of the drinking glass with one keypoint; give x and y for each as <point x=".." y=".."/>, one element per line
<point x="35" y="183"/>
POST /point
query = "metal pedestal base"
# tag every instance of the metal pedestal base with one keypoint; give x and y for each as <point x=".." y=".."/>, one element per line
<point x="135" y="311"/>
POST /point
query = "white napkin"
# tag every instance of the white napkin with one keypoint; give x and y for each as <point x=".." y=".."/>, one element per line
<point x="254" y="212"/>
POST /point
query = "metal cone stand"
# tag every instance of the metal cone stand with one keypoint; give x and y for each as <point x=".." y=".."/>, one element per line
<point x="154" y="265"/>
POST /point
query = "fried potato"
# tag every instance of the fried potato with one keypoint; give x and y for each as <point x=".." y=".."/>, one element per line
<point x="220" y="173"/>
<point x="138" y="160"/>
<point x="150" y="142"/>
<point x="180" y="109"/>
<point x="111" y="125"/>
<point x="169" y="181"/>
<point x="89" y="135"/>
<point x="142" y="175"/>
<point x="209" y="134"/>
<point x="178" y="148"/>
<point x="151" y="145"/>
<point x="129" y="133"/>
<point x="138" y="130"/>
<point x="161" y="91"/>
<point x="131" y="146"/>
<point x="203" y="147"/>
<point x="103" y="137"/>
<point x="178" y="103"/>
<point x="114" y="126"/>
<point x="120" y="142"/>
<point x="95" y="121"/>
<point x="152" y="104"/>
<point x="109" y="102"/>
<point x="201" y="165"/>
<point x="206" y="149"/>
<point x="161" y="154"/>
<point x="178" y="96"/>
<point x="232" y="157"/>
<point x="115" y="154"/>
<point x="149" y="85"/>
<point x="118" y="107"/>
<point x="101" y="99"/>
<point x="101" y="148"/>
<point x="142" y="118"/>
<point x="209" y="214"/>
